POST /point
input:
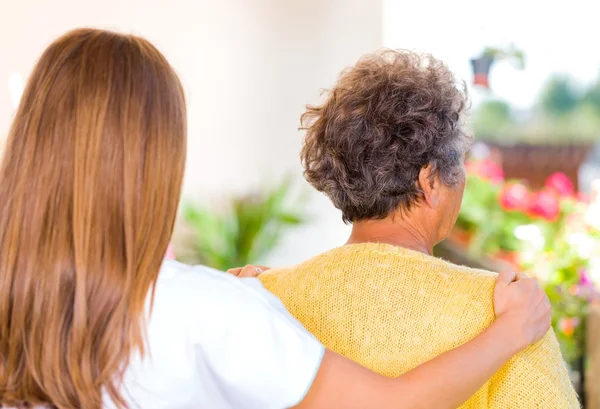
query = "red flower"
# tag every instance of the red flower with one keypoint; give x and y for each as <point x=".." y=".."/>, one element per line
<point x="545" y="204"/>
<point x="561" y="184"/>
<point x="487" y="169"/>
<point x="515" y="196"/>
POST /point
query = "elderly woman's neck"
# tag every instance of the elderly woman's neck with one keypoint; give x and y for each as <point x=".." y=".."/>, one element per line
<point x="395" y="231"/>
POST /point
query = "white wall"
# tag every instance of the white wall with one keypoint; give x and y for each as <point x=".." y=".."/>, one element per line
<point x="248" y="67"/>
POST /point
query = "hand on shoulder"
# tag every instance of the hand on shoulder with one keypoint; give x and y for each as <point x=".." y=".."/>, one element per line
<point x="248" y="271"/>
<point x="523" y="306"/>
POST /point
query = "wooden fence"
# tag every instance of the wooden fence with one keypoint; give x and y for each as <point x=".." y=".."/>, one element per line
<point x="535" y="163"/>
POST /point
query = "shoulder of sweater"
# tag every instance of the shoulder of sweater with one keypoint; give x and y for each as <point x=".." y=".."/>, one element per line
<point x="376" y="254"/>
<point x="401" y="253"/>
<point x="274" y="273"/>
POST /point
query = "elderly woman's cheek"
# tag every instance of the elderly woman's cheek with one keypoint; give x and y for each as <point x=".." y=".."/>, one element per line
<point x="454" y="199"/>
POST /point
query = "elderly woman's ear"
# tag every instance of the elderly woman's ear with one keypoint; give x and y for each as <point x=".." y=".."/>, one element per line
<point x="429" y="185"/>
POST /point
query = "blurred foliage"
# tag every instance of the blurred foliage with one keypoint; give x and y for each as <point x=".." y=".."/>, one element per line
<point x="492" y="209"/>
<point x="511" y="54"/>
<point x="245" y="230"/>
<point x="564" y="113"/>
<point x="591" y="97"/>
<point x="493" y="117"/>
<point x="551" y="233"/>
<point x="491" y="227"/>
<point x="559" y="96"/>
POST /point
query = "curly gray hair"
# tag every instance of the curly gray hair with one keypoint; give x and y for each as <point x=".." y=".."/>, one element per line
<point x="387" y="117"/>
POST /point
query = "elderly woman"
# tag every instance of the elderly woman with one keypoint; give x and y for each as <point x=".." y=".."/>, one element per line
<point x="387" y="147"/>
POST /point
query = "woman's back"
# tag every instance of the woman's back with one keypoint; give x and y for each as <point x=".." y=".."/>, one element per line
<point x="200" y="348"/>
<point x="195" y="350"/>
<point x="370" y="301"/>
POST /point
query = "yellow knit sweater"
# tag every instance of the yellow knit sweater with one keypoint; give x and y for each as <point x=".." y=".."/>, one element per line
<point x="392" y="309"/>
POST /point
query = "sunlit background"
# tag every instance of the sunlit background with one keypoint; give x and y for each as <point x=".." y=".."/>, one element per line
<point x="250" y="66"/>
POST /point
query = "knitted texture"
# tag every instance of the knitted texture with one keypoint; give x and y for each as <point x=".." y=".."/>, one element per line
<point x="391" y="309"/>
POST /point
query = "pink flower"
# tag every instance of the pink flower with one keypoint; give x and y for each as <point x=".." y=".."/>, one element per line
<point x="515" y="196"/>
<point x="584" y="280"/>
<point x="487" y="169"/>
<point x="544" y="204"/>
<point x="583" y="197"/>
<point x="170" y="253"/>
<point x="567" y="325"/>
<point x="560" y="184"/>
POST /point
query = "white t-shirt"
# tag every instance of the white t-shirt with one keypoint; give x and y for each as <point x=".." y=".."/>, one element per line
<point x="219" y="342"/>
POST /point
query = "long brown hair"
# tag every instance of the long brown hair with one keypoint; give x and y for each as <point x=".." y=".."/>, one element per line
<point x="89" y="188"/>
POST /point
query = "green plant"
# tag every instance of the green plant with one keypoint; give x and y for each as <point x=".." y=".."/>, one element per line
<point x="245" y="230"/>
<point x="568" y="271"/>
<point x="548" y="233"/>
<point x="491" y="226"/>
<point x="559" y="96"/>
<point x="562" y="113"/>
<point x="493" y="117"/>
<point x="592" y="96"/>
<point x="511" y="54"/>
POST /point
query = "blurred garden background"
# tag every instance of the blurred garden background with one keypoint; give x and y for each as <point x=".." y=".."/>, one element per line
<point x="249" y="66"/>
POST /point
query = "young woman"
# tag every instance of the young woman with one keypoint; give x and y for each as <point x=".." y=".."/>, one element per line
<point x="91" y="316"/>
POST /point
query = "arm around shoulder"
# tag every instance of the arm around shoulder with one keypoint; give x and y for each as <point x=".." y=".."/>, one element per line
<point x="537" y="377"/>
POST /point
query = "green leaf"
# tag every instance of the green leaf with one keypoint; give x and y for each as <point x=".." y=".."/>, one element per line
<point x="247" y="229"/>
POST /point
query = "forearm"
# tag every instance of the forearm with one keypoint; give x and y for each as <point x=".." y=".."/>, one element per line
<point x="444" y="382"/>
<point x="536" y="378"/>
<point x="451" y="378"/>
